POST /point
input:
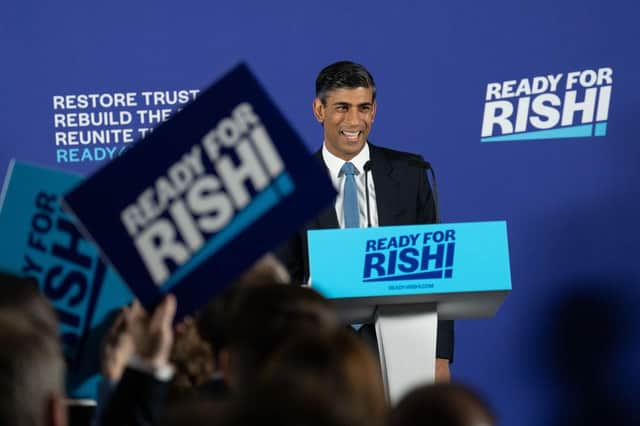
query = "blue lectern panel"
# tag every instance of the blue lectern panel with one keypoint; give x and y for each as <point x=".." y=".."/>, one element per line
<point x="404" y="260"/>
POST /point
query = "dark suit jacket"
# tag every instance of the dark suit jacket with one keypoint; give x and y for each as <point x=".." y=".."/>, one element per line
<point x="137" y="400"/>
<point x="403" y="197"/>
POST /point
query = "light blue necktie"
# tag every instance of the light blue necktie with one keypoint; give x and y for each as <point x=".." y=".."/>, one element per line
<point x="350" y="200"/>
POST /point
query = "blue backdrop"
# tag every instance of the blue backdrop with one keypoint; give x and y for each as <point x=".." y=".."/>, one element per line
<point x="571" y="204"/>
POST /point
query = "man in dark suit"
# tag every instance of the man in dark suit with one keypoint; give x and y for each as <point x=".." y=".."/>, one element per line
<point x="391" y="187"/>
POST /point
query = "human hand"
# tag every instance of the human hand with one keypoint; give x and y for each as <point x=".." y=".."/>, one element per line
<point x="117" y="347"/>
<point x="443" y="373"/>
<point x="153" y="335"/>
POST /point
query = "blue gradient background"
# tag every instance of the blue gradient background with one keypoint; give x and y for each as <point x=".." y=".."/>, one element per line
<point x="571" y="205"/>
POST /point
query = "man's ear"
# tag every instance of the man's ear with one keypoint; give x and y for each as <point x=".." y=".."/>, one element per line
<point x="318" y="110"/>
<point x="373" y="110"/>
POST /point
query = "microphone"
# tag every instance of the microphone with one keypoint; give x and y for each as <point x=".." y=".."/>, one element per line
<point x="419" y="162"/>
<point x="367" y="168"/>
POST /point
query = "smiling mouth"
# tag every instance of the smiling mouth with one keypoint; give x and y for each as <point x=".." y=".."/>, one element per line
<point x="352" y="136"/>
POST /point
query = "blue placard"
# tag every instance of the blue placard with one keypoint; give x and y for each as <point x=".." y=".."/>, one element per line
<point x="414" y="259"/>
<point x="204" y="195"/>
<point x="40" y="241"/>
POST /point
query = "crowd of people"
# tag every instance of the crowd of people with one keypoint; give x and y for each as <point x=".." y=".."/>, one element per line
<point x="261" y="352"/>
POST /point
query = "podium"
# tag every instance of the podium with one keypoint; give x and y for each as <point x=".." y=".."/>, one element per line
<point x="405" y="278"/>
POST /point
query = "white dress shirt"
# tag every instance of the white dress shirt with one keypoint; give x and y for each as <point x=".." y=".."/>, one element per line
<point x="334" y="164"/>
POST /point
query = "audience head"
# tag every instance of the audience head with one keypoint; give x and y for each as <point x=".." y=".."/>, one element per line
<point x="261" y="319"/>
<point x="193" y="360"/>
<point x="31" y="373"/>
<point x="212" y="320"/>
<point x="262" y="404"/>
<point x="23" y="295"/>
<point x="284" y="406"/>
<point x="334" y="365"/>
<point x="266" y="270"/>
<point x="442" y="405"/>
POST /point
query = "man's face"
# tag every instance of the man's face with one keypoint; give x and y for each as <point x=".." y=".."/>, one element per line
<point x="346" y="118"/>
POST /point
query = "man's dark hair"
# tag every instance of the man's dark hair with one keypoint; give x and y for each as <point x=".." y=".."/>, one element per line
<point x="343" y="75"/>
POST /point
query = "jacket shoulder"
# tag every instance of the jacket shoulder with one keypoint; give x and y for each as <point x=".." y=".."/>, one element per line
<point x="393" y="155"/>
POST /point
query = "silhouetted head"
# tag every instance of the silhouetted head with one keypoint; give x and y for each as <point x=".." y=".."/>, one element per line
<point x="442" y="405"/>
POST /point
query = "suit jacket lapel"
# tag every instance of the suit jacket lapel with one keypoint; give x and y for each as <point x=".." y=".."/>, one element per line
<point x="327" y="218"/>
<point x="386" y="187"/>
